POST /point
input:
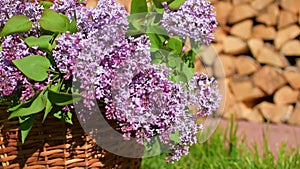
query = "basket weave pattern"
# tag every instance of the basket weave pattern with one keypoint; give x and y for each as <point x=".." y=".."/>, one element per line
<point x="54" y="144"/>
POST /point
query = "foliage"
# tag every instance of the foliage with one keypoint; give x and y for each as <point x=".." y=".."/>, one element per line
<point x="44" y="46"/>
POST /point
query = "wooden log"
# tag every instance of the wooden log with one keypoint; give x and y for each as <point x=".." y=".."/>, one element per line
<point x="220" y="34"/>
<point x="268" y="79"/>
<point x="235" y="2"/>
<point x="275" y="113"/>
<point x="218" y="47"/>
<point x="264" y="32"/>
<point x="208" y="55"/>
<point x="294" y="118"/>
<point x="249" y="114"/>
<point x="244" y="90"/>
<point x="234" y="45"/>
<point x="286" y="18"/>
<point x="286" y="34"/>
<point x="290" y="5"/>
<point x="292" y="75"/>
<point x="299" y="17"/>
<point x="298" y="63"/>
<point x="270" y="15"/>
<point x="260" y="4"/>
<point x="291" y="48"/>
<point x="91" y="3"/>
<point x="246" y="65"/>
<point x="242" y="29"/>
<point x="285" y="95"/>
<point x="255" y="45"/>
<point x="230" y="107"/>
<point x="241" y="12"/>
<point x="268" y="55"/>
<point x="225" y="65"/>
<point x="223" y="10"/>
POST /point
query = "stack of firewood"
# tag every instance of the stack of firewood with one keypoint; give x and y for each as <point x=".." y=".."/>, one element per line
<point x="258" y="48"/>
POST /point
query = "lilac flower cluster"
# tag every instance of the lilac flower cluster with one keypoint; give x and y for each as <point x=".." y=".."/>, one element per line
<point x="96" y="68"/>
<point x="21" y="7"/>
<point x="66" y="7"/>
<point x="12" y="80"/>
<point x="140" y="97"/>
<point x="107" y="21"/>
<point x="193" y="19"/>
<point x="66" y="52"/>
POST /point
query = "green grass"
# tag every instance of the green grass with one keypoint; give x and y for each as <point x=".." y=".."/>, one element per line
<point x="225" y="151"/>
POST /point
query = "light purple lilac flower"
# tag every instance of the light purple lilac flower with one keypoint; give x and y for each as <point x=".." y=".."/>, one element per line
<point x="66" y="7"/>
<point x="107" y="21"/>
<point x="9" y="77"/>
<point x="67" y="49"/>
<point x="140" y="97"/>
<point x="14" y="48"/>
<point x="194" y="19"/>
<point x="96" y="68"/>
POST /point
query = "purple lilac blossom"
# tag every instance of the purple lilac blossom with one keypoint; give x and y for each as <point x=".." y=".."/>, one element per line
<point x="14" y="48"/>
<point x="66" y="7"/>
<point x="107" y="21"/>
<point x="67" y="49"/>
<point x="85" y="68"/>
<point x="139" y="96"/>
<point x="193" y="19"/>
<point x="96" y="68"/>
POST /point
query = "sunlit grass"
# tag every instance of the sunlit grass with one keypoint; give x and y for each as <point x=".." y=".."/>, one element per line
<point x="225" y="151"/>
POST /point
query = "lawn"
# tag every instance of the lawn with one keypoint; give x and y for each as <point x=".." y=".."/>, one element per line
<point x="225" y="150"/>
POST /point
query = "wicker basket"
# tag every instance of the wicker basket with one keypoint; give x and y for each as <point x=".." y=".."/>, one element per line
<point x="54" y="144"/>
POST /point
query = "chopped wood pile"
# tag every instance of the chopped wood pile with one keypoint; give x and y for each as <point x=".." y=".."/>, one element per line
<point x="258" y="46"/>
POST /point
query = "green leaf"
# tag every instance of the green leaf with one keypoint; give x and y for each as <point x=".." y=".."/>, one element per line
<point x="34" y="67"/>
<point x="158" y="4"/>
<point x="48" y="107"/>
<point x="34" y="106"/>
<point x="156" y="58"/>
<point x="180" y="77"/>
<point x="138" y="6"/>
<point x="155" y="42"/>
<point x="54" y="22"/>
<point x="174" y="61"/>
<point x="152" y="148"/>
<point x="15" y="107"/>
<point x="67" y="21"/>
<point x="175" y="137"/>
<point x="43" y="42"/>
<point x="73" y="25"/>
<point x="176" y="4"/>
<point x="62" y="99"/>
<point x="157" y="30"/>
<point x="26" y="124"/>
<point x="67" y="117"/>
<point x="188" y="71"/>
<point x="16" y="24"/>
<point x="175" y="43"/>
<point x="46" y="4"/>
